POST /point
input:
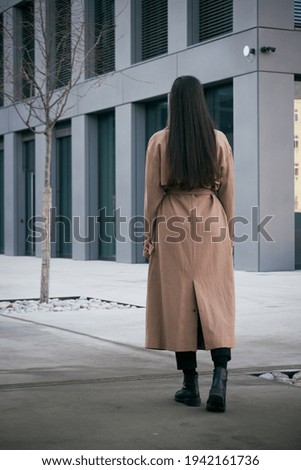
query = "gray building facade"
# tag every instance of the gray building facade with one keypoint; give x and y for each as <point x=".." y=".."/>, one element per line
<point x="99" y="144"/>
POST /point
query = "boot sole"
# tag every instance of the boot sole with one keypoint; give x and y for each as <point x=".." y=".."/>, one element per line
<point x="216" y="404"/>
<point x="189" y="401"/>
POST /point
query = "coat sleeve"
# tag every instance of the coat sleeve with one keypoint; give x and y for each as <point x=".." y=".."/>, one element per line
<point x="153" y="195"/>
<point x="226" y="189"/>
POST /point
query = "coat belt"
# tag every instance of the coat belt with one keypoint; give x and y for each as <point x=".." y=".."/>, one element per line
<point x="191" y="191"/>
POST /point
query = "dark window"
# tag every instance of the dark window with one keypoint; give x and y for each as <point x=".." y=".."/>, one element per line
<point x="1" y="198"/>
<point x="29" y="180"/>
<point x="1" y="60"/>
<point x="209" y="19"/>
<point x="27" y="60"/>
<point x="107" y="191"/>
<point x="104" y="36"/>
<point x="154" y="28"/>
<point x="151" y="17"/>
<point x="297" y="14"/>
<point x="62" y="42"/>
<point x="155" y="117"/>
<point x="63" y="194"/>
<point x="220" y="104"/>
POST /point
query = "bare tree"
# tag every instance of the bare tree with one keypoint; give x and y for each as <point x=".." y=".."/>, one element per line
<point x="54" y="50"/>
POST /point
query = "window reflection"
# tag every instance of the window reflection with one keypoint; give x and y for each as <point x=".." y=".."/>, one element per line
<point x="297" y="174"/>
<point x="220" y="104"/>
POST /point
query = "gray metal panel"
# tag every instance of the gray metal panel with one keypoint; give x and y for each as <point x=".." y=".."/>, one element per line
<point x="287" y="57"/>
<point x="276" y="120"/>
<point x="149" y="79"/>
<point x="246" y="169"/>
<point x="10" y="195"/>
<point x="9" y="55"/>
<point x="78" y="18"/>
<point x="40" y="148"/>
<point x="276" y="14"/>
<point x="80" y="159"/>
<point x="244" y="14"/>
<point x="20" y="213"/>
<point x="123" y="47"/>
<point x="5" y="4"/>
<point x="125" y="186"/>
<point x="92" y="156"/>
<point x="104" y="92"/>
<point x="177" y="25"/>
<point x="139" y="150"/>
<point x="219" y="59"/>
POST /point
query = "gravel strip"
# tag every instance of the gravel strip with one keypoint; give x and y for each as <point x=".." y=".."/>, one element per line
<point x="282" y="377"/>
<point x="61" y="305"/>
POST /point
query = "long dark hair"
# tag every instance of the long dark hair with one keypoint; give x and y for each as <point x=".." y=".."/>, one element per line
<point x="192" y="160"/>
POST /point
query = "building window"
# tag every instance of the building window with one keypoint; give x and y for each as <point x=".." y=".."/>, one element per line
<point x="1" y="60"/>
<point x="297" y="14"/>
<point x="209" y="19"/>
<point x="28" y="49"/>
<point x="297" y="179"/>
<point x="63" y="191"/>
<point x="62" y="42"/>
<point x="29" y="189"/>
<point x="1" y="197"/>
<point x="24" y="51"/>
<point x="100" y="37"/>
<point x="151" y="21"/>
<point x="106" y="185"/>
<point x="104" y="36"/>
<point x="219" y="99"/>
<point x="155" y="117"/>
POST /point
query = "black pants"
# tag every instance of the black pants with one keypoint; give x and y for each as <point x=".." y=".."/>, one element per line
<point x="187" y="360"/>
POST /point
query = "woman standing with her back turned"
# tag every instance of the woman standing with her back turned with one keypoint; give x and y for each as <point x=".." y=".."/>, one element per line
<point x="189" y="204"/>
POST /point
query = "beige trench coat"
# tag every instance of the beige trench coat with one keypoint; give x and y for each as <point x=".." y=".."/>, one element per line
<point x="190" y="292"/>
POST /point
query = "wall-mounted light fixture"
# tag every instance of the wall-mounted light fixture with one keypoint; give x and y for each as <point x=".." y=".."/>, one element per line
<point x="249" y="53"/>
<point x="247" y="50"/>
<point x="267" y="49"/>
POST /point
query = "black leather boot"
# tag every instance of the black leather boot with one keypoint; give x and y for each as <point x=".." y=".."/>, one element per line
<point x="189" y="393"/>
<point x="217" y="395"/>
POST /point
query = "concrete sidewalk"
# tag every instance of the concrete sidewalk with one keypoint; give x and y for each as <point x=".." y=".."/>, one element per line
<point x="83" y="380"/>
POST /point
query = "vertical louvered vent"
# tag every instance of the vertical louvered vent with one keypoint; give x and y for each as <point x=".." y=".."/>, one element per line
<point x="297" y="14"/>
<point x="63" y="42"/>
<point x="28" y="49"/>
<point x="215" y="18"/>
<point x="104" y="36"/>
<point x="1" y="60"/>
<point x="154" y="28"/>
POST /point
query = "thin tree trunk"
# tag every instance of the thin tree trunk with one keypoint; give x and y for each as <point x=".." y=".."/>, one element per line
<point x="47" y="201"/>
